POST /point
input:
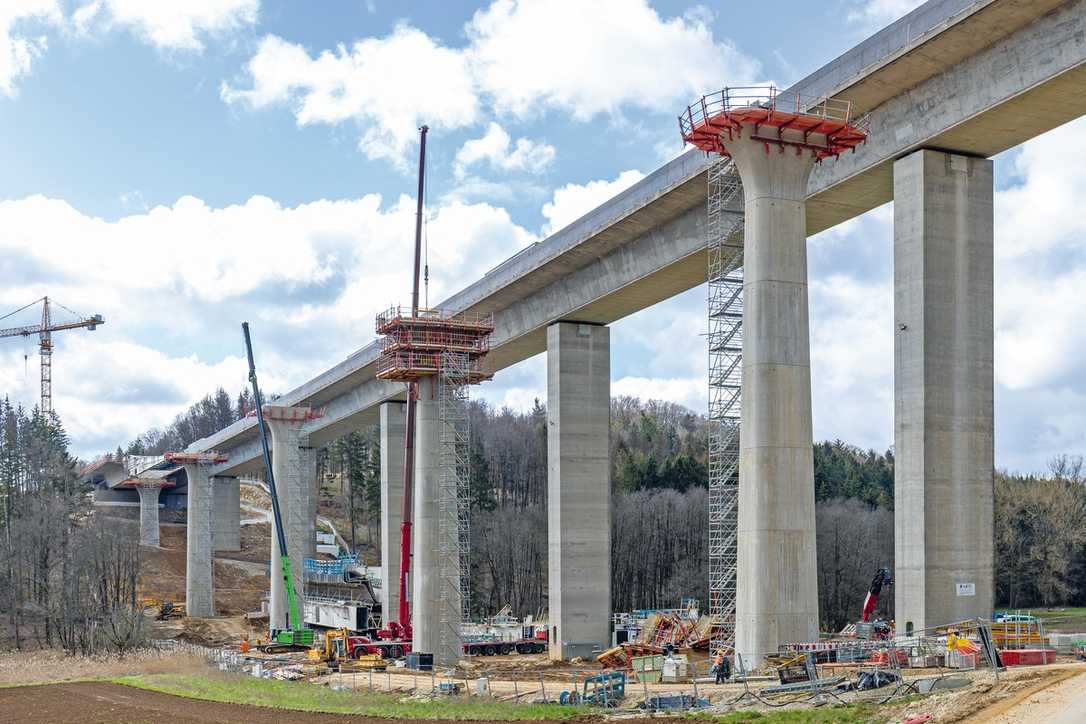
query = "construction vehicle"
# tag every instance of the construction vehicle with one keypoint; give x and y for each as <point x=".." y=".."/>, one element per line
<point x="882" y="578"/>
<point x="400" y="629"/>
<point x="45" y="341"/>
<point x="504" y="648"/>
<point x="341" y="649"/>
<point x="164" y="610"/>
<point x="295" y="636"/>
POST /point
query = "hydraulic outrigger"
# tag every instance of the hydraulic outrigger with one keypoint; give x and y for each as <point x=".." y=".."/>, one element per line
<point x="295" y="635"/>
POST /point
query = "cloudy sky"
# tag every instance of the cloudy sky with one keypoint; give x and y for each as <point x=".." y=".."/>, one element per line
<point x="181" y="166"/>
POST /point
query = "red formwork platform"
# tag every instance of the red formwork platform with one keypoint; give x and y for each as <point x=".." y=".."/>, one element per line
<point x="824" y="126"/>
<point x="1027" y="657"/>
<point x="412" y="345"/>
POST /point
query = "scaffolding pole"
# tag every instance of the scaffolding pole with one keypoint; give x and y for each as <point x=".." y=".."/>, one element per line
<point x="724" y="225"/>
<point x="454" y="530"/>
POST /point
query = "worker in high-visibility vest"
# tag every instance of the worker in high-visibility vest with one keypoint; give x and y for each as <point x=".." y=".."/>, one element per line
<point x="721" y="667"/>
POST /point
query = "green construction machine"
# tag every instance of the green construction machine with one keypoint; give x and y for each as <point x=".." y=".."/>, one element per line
<point x="295" y="636"/>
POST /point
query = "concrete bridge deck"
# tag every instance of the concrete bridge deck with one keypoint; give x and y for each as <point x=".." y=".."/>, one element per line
<point x="976" y="78"/>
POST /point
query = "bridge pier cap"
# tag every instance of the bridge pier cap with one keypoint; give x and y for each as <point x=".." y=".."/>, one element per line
<point x="774" y="139"/>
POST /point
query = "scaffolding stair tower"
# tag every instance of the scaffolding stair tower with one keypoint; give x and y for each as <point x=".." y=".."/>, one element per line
<point x="724" y="226"/>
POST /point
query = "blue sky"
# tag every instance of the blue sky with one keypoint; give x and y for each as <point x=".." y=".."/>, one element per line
<point x="181" y="166"/>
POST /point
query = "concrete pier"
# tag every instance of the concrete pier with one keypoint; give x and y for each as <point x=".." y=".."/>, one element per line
<point x="777" y="584"/>
<point x="943" y="380"/>
<point x="425" y="590"/>
<point x="295" y="468"/>
<point x="393" y="429"/>
<point x="226" y="518"/>
<point x="199" y="559"/>
<point x="149" y="527"/>
<point x="578" y="488"/>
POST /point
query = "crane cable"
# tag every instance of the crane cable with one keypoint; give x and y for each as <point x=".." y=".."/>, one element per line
<point x="28" y="306"/>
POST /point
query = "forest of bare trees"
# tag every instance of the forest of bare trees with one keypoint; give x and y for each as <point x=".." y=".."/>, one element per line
<point x="67" y="579"/>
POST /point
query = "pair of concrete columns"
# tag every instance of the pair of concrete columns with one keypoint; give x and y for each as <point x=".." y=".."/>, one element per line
<point x="943" y="350"/>
<point x="213" y="524"/>
<point x="214" y="518"/>
<point x="579" y="498"/>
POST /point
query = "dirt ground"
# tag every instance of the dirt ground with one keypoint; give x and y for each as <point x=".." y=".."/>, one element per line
<point x="1061" y="702"/>
<point x="213" y="632"/>
<point x="238" y="587"/>
<point x="98" y="703"/>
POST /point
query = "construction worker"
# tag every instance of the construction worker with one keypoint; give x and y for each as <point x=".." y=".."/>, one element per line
<point x="721" y="667"/>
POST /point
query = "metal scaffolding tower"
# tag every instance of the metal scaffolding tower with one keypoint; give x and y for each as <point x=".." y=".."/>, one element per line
<point x="724" y="225"/>
<point x="454" y="528"/>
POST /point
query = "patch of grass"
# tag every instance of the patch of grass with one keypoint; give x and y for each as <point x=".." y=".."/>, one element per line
<point x="301" y="696"/>
<point x="1069" y="620"/>
<point x="841" y="714"/>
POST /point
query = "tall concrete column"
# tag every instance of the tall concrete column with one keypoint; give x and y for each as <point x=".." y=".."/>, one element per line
<point x="295" y="469"/>
<point x="226" y="518"/>
<point x="199" y="558"/>
<point x="578" y="488"/>
<point x="149" y="529"/>
<point x="393" y="429"/>
<point x="425" y="587"/>
<point x="943" y="389"/>
<point x="777" y="583"/>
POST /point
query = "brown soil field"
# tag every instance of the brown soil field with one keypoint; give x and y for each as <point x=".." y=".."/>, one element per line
<point x="100" y="703"/>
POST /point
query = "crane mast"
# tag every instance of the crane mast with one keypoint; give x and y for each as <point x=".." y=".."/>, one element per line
<point x="45" y="341"/>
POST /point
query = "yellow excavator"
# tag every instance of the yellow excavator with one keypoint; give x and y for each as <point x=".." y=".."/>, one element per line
<point x="341" y="650"/>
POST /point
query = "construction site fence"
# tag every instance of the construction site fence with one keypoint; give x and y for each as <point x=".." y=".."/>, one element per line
<point x="697" y="687"/>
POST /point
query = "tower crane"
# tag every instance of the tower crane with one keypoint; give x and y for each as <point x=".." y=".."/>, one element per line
<point x="45" y="341"/>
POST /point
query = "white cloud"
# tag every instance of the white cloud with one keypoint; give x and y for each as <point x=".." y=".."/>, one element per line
<point x="388" y="86"/>
<point x="494" y="149"/>
<point x="852" y="359"/>
<point x="688" y="391"/>
<point x="1040" y="237"/>
<point x="572" y="201"/>
<point x="614" y="55"/>
<point x="877" y="13"/>
<point x="589" y="58"/>
<point x="175" y="282"/>
<point x="18" y="48"/>
<point x="169" y="24"/>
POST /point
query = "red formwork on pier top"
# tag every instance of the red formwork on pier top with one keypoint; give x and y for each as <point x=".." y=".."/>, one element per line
<point x="824" y="126"/>
<point x="412" y="345"/>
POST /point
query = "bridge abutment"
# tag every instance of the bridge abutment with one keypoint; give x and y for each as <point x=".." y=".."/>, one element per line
<point x="578" y="488"/>
<point x="943" y="380"/>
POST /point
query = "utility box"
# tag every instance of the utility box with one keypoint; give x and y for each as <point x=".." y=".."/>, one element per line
<point x="420" y="662"/>
<point x="648" y="668"/>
